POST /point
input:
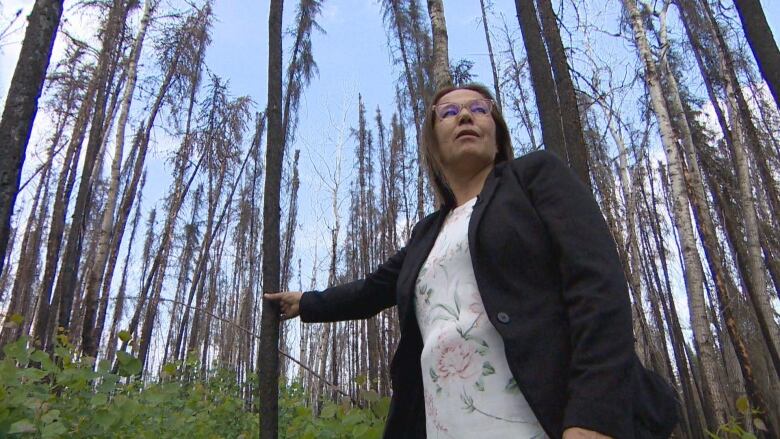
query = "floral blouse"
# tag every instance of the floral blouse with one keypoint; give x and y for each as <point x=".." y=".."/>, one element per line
<point x="468" y="388"/>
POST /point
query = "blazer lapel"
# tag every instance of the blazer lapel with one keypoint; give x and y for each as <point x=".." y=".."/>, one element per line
<point x="416" y="254"/>
<point x="483" y="200"/>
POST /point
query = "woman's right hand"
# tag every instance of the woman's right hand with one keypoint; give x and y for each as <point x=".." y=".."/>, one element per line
<point x="288" y="302"/>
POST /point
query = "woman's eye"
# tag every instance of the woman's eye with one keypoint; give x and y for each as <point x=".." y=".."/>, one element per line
<point x="479" y="108"/>
<point x="449" y="111"/>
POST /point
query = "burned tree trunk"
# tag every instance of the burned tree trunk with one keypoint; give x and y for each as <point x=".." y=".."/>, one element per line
<point x="21" y="106"/>
<point x="268" y="355"/>
<point x="762" y="43"/>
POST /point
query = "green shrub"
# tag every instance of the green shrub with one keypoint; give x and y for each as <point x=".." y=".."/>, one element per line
<point x="42" y="397"/>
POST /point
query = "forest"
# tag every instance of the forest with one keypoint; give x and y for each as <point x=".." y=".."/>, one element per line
<point x="145" y="206"/>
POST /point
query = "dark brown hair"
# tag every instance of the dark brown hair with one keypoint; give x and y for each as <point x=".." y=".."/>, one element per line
<point x="430" y="144"/>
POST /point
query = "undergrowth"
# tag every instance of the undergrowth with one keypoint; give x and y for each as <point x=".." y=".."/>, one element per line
<point x="43" y="397"/>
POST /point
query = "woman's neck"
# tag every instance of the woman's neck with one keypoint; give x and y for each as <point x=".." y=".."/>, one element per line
<point x="466" y="186"/>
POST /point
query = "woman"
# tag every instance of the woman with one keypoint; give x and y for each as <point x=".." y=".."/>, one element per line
<point x="514" y="312"/>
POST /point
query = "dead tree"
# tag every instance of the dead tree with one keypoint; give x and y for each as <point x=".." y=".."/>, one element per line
<point x="21" y="106"/>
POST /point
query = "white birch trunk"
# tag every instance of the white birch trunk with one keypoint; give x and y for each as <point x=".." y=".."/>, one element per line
<point x="702" y="334"/>
<point x="747" y="204"/>
<point x="107" y="223"/>
<point x="649" y="340"/>
<point x="441" y="62"/>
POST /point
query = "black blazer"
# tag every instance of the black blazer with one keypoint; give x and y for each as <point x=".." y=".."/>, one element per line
<point x="552" y="285"/>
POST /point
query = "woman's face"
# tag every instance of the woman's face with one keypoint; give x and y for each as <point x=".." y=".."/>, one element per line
<point x="467" y="140"/>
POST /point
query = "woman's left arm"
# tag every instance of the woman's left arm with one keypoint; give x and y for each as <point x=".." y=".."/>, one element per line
<point x="595" y="296"/>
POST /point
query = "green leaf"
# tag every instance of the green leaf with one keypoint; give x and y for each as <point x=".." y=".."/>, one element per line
<point x="155" y="399"/>
<point x="50" y="416"/>
<point x="487" y="369"/>
<point x="43" y="359"/>
<point x="17" y="350"/>
<point x="354" y="417"/>
<point x="759" y="424"/>
<point x="360" y="430"/>
<point x="170" y="369"/>
<point x="98" y="400"/>
<point x="381" y="407"/>
<point x="128" y="364"/>
<point x="124" y="336"/>
<point x="104" y="418"/>
<point x="53" y="430"/>
<point x="328" y="412"/>
<point x="360" y="380"/>
<point x="743" y="405"/>
<point x="32" y="374"/>
<point x="370" y="396"/>
<point x="22" y="426"/>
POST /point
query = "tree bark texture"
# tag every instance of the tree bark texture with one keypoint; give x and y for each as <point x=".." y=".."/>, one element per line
<point x="441" y="61"/>
<point x="21" y="106"/>
<point x="64" y="291"/>
<point x="692" y="264"/>
<point x="89" y="345"/>
<point x="268" y="356"/>
<point x="542" y="79"/>
<point x="743" y="136"/>
<point x="762" y="43"/>
<point x="576" y="148"/>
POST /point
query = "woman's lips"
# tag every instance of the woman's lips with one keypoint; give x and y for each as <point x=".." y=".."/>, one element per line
<point x="466" y="133"/>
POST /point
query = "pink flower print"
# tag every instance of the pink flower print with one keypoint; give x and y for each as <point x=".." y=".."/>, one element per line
<point x="457" y="359"/>
<point x="432" y="413"/>
<point x="479" y="310"/>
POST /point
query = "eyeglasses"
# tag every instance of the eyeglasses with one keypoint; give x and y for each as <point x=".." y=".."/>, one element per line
<point x="477" y="107"/>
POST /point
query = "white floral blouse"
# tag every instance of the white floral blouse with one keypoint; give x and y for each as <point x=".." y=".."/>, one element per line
<point x="468" y="388"/>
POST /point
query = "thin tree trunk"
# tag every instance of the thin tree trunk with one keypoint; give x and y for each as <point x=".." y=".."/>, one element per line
<point x="21" y="106"/>
<point x="576" y="148"/>
<point x="670" y="310"/>
<point x="742" y="136"/>
<point x="632" y="262"/>
<point x="59" y="210"/>
<point x="29" y="258"/>
<point x="66" y="281"/>
<point x="89" y="346"/>
<point x="725" y="288"/>
<point x="268" y="358"/>
<point x="542" y="80"/>
<point x="692" y="263"/>
<point x="119" y="304"/>
<point x="520" y="106"/>
<point x="415" y="93"/>
<point x="493" y="67"/>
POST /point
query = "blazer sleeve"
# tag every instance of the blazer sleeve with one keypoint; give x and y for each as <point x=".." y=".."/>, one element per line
<point x="595" y="295"/>
<point x="359" y="299"/>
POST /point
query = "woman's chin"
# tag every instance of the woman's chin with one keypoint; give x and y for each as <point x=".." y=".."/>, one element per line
<point x="469" y="163"/>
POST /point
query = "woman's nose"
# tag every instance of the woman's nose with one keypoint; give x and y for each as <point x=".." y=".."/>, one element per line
<point x="464" y="115"/>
